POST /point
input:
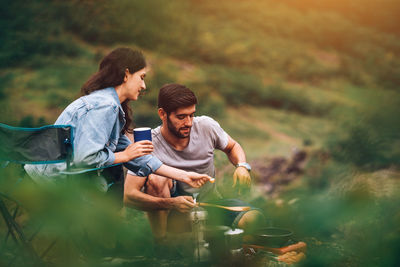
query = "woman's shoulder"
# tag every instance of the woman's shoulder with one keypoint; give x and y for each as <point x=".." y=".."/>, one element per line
<point x="95" y="102"/>
<point x="103" y="99"/>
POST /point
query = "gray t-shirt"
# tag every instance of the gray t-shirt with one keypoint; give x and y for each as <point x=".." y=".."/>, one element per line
<point x="206" y="135"/>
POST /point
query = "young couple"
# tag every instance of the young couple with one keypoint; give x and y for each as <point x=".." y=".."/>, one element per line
<point x="164" y="174"/>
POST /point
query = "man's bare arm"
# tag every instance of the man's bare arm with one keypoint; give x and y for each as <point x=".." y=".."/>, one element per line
<point x="234" y="152"/>
<point x="236" y="155"/>
<point x="135" y="198"/>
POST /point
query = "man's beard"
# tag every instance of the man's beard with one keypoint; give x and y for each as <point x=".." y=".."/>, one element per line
<point x="175" y="131"/>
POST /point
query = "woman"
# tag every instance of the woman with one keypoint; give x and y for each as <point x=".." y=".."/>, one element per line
<point x="102" y="117"/>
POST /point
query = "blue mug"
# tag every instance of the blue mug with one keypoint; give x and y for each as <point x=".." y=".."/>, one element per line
<point x="143" y="133"/>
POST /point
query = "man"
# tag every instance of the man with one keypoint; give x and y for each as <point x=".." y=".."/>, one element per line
<point x="186" y="142"/>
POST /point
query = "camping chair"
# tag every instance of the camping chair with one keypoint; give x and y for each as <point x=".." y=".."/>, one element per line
<point x="44" y="145"/>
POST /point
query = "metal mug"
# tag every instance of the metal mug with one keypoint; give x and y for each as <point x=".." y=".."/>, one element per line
<point x="143" y="133"/>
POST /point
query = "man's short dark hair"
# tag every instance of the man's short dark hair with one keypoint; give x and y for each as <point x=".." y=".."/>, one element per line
<point x="173" y="96"/>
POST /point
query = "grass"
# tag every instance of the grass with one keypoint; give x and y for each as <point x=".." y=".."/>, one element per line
<point x="275" y="74"/>
<point x="51" y="88"/>
<point x="273" y="129"/>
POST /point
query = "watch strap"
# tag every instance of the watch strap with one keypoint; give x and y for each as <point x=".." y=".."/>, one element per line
<point x="244" y="164"/>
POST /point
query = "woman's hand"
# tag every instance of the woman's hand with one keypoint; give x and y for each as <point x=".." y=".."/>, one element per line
<point x="196" y="180"/>
<point x="139" y="149"/>
<point x="133" y="151"/>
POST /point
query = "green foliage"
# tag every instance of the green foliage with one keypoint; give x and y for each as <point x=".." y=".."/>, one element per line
<point x="373" y="137"/>
<point x="282" y="61"/>
<point x="5" y="79"/>
<point x="358" y="10"/>
<point x="151" y="24"/>
<point x="145" y="116"/>
<point x="31" y="122"/>
<point x="270" y="36"/>
<point x="260" y="36"/>
<point x="240" y="88"/>
<point x="145" y="110"/>
<point x="210" y="105"/>
<point x="347" y="218"/>
<point x="85" y="222"/>
<point x="28" y="33"/>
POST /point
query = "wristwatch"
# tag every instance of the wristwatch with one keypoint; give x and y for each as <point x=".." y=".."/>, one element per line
<point x="244" y="164"/>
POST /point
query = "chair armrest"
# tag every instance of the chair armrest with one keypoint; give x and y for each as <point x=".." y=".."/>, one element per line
<point x="74" y="171"/>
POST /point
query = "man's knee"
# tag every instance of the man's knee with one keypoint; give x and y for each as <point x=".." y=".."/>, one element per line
<point x="158" y="186"/>
<point x="251" y="220"/>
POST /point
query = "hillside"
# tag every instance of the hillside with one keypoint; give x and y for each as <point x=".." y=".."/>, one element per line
<point x="321" y="77"/>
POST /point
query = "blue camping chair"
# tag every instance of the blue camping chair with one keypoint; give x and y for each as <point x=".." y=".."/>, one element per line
<point x="44" y="145"/>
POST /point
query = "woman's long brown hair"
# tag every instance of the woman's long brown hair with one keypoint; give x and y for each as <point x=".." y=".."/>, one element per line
<point x="111" y="73"/>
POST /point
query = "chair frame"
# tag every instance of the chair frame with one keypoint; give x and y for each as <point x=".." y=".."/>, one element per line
<point x="16" y="231"/>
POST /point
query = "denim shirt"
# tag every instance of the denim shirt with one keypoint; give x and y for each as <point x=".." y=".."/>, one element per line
<point x="97" y="119"/>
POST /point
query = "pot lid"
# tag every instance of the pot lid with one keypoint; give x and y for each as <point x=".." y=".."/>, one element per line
<point x="234" y="232"/>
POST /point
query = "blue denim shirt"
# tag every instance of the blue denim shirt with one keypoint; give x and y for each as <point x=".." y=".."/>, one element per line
<point x="97" y="119"/>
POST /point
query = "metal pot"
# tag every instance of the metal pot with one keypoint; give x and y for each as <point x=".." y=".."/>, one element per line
<point x="214" y="235"/>
<point x="234" y="242"/>
<point x="234" y="239"/>
<point x="272" y="237"/>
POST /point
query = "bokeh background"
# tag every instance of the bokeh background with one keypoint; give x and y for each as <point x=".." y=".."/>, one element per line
<point x="309" y="88"/>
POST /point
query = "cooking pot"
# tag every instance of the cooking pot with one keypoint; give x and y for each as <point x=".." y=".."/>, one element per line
<point x="234" y="238"/>
<point x="215" y="236"/>
<point x="272" y="237"/>
<point x="215" y="232"/>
